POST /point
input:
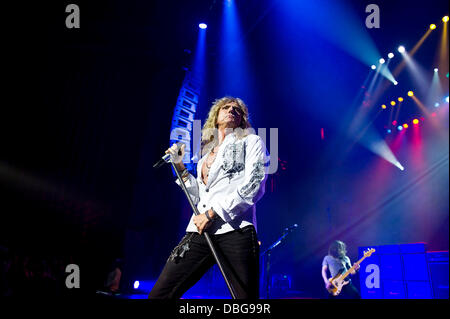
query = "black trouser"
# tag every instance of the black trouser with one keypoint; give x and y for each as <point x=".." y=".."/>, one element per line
<point x="238" y="252"/>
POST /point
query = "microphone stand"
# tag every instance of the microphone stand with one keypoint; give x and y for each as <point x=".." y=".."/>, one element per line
<point x="208" y="239"/>
<point x="268" y="252"/>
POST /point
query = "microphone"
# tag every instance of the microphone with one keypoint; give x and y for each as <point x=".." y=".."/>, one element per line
<point x="166" y="157"/>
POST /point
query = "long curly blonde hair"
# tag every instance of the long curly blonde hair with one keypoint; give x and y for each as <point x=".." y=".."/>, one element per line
<point x="209" y="130"/>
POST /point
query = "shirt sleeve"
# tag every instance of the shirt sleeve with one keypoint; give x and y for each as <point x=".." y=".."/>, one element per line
<point x="251" y="189"/>
<point x="325" y="261"/>
<point x="192" y="188"/>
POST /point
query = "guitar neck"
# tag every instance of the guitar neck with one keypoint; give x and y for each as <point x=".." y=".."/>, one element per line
<point x="353" y="267"/>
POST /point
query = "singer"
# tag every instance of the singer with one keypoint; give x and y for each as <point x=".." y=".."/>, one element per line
<point x="231" y="177"/>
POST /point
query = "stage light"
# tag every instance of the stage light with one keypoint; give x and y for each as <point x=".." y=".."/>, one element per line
<point x="389" y="131"/>
<point x="410" y="93"/>
<point x="432" y="26"/>
<point x="395" y="82"/>
<point x="394" y="122"/>
<point x="393" y="103"/>
<point x="136" y="284"/>
<point x="400" y="166"/>
<point x="390" y="55"/>
<point x="436" y="104"/>
<point x="400" y="99"/>
<point x="382" y="61"/>
<point x="445" y="19"/>
<point x="401" y="49"/>
<point x="436" y="70"/>
<point x="405" y="125"/>
<point x="399" y="127"/>
<point x="415" y="121"/>
<point x="383" y="106"/>
<point x="373" y="67"/>
<point x="202" y="26"/>
<point x="446" y="99"/>
<point x="433" y="114"/>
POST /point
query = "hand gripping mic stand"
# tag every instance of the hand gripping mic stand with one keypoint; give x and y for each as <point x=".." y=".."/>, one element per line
<point x="208" y="239"/>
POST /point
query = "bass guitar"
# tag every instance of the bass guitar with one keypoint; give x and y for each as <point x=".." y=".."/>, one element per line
<point x="338" y="281"/>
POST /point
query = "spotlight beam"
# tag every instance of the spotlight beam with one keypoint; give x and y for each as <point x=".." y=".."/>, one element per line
<point x="417" y="72"/>
<point x="387" y="73"/>
<point x="435" y="90"/>
<point x="233" y="62"/>
<point x="411" y="53"/>
<point x="421" y="106"/>
<point x="371" y="140"/>
<point x="401" y="66"/>
<point x="443" y="50"/>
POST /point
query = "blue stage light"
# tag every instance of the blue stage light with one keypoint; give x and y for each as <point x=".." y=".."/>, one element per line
<point x="436" y="104"/>
<point x="202" y="26"/>
<point x="446" y="99"/>
<point x="136" y="284"/>
<point x="389" y="131"/>
<point x="400" y="127"/>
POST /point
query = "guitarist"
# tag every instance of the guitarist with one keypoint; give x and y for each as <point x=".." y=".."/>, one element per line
<point x="337" y="262"/>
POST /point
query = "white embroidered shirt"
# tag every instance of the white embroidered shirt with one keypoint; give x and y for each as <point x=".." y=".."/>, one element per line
<point x="235" y="183"/>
